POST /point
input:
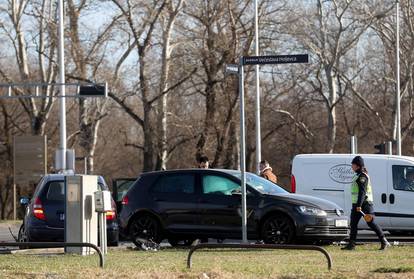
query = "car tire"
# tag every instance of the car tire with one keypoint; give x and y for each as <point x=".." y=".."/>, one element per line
<point x="113" y="244"/>
<point x="278" y="229"/>
<point x="145" y="227"/>
<point x="22" y="237"/>
<point x="174" y="242"/>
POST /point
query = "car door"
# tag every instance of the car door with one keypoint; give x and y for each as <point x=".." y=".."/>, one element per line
<point x="378" y="175"/>
<point x="220" y="205"/>
<point x="174" y="198"/>
<point x="401" y="196"/>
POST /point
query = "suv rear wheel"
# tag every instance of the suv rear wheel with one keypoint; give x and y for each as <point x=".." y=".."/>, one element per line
<point x="22" y="237"/>
<point x="277" y="229"/>
<point x="145" y="227"/>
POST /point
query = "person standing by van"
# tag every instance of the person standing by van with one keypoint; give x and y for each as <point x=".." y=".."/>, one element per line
<point x="362" y="204"/>
<point x="267" y="172"/>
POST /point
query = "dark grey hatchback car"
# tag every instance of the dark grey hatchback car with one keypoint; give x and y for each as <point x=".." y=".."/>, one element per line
<point x="183" y="205"/>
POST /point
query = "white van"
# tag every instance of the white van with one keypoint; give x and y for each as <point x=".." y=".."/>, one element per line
<point x="329" y="176"/>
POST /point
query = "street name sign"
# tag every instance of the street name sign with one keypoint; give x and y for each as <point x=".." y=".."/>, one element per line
<point x="276" y="59"/>
<point x="232" y="69"/>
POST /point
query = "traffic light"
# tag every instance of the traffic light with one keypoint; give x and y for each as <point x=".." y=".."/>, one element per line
<point x="381" y="148"/>
<point x="93" y="90"/>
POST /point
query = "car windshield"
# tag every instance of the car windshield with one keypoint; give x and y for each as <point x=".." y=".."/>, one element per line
<point x="260" y="184"/>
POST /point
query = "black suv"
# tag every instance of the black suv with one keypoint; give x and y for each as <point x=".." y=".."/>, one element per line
<point x="44" y="218"/>
<point x="183" y="205"/>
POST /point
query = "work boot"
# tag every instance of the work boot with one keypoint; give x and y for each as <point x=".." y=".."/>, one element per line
<point x="350" y="246"/>
<point x="384" y="244"/>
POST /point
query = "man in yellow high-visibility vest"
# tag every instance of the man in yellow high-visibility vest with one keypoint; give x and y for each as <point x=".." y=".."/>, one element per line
<point x="363" y="204"/>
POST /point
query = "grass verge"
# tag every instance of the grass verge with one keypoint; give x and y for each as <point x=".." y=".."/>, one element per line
<point x="365" y="262"/>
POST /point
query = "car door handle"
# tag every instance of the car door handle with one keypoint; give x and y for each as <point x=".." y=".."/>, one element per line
<point x="384" y="198"/>
<point x="392" y="199"/>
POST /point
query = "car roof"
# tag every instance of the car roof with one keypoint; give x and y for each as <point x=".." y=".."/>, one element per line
<point x="348" y="156"/>
<point x="194" y="170"/>
<point x="61" y="176"/>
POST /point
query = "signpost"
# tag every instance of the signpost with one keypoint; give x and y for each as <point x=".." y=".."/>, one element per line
<point x="231" y="69"/>
<point x="275" y="59"/>
<point x="30" y="162"/>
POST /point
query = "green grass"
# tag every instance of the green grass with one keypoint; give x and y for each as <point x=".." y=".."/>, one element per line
<point x="365" y="262"/>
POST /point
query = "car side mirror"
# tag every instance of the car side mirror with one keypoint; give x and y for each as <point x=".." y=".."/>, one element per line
<point x="24" y="201"/>
<point x="236" y="193"/>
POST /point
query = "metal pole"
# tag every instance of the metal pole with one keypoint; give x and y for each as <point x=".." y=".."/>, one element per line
<point x="399" y="151"/>
<point x="353" y="145"/>
<point x="257" y="110"/>
<point x="242" y="151"/>
<point x="389" y="147"/>
<point x="14" y="202"/>
<point x="62" y="101"/>
<point x="85" y="164"/>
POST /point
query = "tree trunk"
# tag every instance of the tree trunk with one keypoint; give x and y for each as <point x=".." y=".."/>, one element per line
<point x="331" y="107"/>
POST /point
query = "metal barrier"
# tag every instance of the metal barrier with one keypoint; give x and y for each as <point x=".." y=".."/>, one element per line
<point x="56" y="245"/>
<point x="259" y="246"/>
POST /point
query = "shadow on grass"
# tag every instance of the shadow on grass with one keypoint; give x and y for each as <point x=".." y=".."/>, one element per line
<point x="394" y="270"/>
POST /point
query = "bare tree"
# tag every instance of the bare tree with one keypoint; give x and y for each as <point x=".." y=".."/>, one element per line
<point x="21" y="15"/>
<point x="330" y="33"/>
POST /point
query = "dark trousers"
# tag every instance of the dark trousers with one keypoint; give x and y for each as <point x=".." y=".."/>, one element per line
<point x="367" y="208"/>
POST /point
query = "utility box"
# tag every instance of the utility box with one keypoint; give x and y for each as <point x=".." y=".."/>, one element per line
<point x="103" y="202"/>
<point x="81" y="220"/>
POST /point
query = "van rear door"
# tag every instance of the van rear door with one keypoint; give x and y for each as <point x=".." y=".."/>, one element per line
<point x="401" y="195"/>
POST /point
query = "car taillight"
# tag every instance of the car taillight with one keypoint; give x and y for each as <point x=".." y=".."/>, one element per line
<point x="111" y="215"/>
<point x="125" y="200"/>
<point x="293" y="184"/>
<point x="38" y="211"/>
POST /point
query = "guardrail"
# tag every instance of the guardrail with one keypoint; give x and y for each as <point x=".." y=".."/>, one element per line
<point x="258" y="246"/>
<point x="56" y="245"/>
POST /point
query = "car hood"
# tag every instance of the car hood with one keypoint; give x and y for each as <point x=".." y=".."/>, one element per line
<point x="306" y="200"/>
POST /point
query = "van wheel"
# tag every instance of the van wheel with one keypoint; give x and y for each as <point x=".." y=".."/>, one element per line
<point x="145" y="228"/>
<point x="278" y="229"/>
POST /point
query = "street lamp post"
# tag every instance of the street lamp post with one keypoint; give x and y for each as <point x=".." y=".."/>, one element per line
<point x="257" y="110"/>
<point x="398" y="99"/>
<point x="62" y="101"/>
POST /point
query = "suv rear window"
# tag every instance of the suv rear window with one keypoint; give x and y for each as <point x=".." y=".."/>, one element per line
<point x="56" y="191"/>
<point x="179" y="183"/>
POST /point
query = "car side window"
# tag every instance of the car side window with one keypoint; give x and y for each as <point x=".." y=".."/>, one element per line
<point x="218" y="185"/>
<point x="179" y="184"/>
<point x="403" y="178"/>
<point x="56" y="191"/>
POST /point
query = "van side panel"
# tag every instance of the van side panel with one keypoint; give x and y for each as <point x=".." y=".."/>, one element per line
<point x="330" y="177"/>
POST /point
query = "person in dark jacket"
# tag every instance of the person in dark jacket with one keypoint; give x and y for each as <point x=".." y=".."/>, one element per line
<point x="362" y="204"/>
<point x="203" y="162"/>
<point x="267" y="172"/>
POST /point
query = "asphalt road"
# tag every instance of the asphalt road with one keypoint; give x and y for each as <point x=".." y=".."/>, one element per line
<point x="5" y="235"/>
<point x="363" y="236"/>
